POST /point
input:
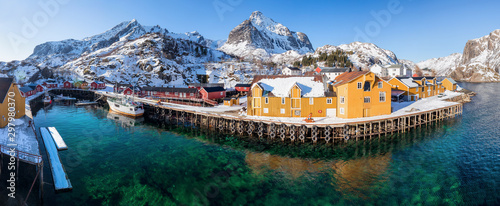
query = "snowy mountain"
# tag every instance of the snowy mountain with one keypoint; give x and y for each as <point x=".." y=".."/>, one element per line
<point x="443" y="66"/>
<point x="363" y="56"/>
<point x="129" y="52"/>
<point x="260" y="37"/>
<point x="480" y="61"/>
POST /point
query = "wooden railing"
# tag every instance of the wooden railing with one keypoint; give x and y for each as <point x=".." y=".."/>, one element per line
<point x="27" y="157"/>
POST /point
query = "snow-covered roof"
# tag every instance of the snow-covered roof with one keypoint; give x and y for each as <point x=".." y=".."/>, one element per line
<point x="451" y="80"/>
<point x="281" y="87"/>
<point x="409" y="82"/>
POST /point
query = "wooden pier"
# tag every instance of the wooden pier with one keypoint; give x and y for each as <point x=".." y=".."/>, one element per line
<point x="302" y="132"/>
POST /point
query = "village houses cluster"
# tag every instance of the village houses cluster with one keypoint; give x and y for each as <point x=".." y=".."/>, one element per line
<point x="322" y="92"/>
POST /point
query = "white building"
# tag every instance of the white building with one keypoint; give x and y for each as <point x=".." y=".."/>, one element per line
<point x="398" y="70"/>
<point x="379" y="70"/>
<point x="291" y="71"/>
<point x="332" y="72"/>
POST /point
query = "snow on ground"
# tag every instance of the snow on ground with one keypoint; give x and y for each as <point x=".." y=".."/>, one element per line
<point x="425" y="104"/>
<point x="24" y="138"/>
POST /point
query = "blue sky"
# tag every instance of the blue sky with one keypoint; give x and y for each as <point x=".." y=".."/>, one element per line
<point x="417" y="29"/>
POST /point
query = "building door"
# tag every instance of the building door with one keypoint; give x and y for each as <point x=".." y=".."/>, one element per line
<point x="366" y="112"/>
<point x="331" y="112"/>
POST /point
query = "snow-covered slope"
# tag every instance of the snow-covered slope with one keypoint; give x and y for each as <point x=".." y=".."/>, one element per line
<point x="480" y="61"/>
<point x="443" y="66"/>
<point x="260" y="37"/>
<point x="367" y="54"/>
<point x="128" y="52"/>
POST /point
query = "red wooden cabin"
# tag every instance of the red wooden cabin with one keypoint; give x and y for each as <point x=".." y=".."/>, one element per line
<point x="213" y="92"/>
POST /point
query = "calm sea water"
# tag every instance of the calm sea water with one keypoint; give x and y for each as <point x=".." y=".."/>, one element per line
<point x="111" y="162"/>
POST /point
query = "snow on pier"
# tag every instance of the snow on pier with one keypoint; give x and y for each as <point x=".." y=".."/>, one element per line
<point x="61" y="145"/>
<point x="61" y="180"/>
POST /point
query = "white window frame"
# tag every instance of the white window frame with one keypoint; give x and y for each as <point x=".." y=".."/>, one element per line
<point x="282" y="100"/>
<point x="342" y="100"/>
<point x="191" y="94"/>
<point x="367" y="98"/>
<point x="341" y="110"/>
<point x="266" y="110"/>
<point x="380" y="84"/>
<point x="360" y="85"/>
<point x="380" y="96"/>
<point x="329" y="100"/>
<point x="311" y="101"/>
<point x="266" y="100"/>
<point x="176" y="93"/>
<point x="282" y="110"/>
<point x="167" y="93"/>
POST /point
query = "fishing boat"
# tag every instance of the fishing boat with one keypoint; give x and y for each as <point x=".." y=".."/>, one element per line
<point x="126" y="106"/>
<point x="85" y="102"/>
<point x="47" y="99"/>
<point x="63" y="98"/>
<point x="123" y="120"/>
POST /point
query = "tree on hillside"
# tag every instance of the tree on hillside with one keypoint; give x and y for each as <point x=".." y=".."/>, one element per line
<point x="418" y="71"/>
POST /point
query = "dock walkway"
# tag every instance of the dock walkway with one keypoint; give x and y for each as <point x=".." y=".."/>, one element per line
<point x="61" y="180"/>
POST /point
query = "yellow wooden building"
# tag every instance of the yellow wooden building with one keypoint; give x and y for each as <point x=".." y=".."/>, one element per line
<point x="231" y="101"/>
<point x="412" y="90"/>
<point x="361" y="94"/>
<point x="9" y="93"/>
<point x="285" y="96"/>
<point x="449" y="84"/>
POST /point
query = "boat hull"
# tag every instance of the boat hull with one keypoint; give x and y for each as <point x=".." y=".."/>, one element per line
<point x="124" y="110"/>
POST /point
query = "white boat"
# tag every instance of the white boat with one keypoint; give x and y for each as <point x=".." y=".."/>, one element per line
<point x="63" y="98"/>
<point x="126" y="107"/>
<point x="47" y="99"/>
<point x="85" y="102"/>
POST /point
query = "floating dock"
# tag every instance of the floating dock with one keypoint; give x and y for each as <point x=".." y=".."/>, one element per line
<point x="60" y="144"/>
<point x="61" y="180"/>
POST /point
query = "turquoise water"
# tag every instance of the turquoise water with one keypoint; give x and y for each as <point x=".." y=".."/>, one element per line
<point x="111" y="163"/>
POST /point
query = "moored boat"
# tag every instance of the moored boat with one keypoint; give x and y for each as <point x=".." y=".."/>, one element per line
<point x="126" y="107"/>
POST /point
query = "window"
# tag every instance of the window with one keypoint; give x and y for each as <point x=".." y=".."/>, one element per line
<point x="177" y="94"/>
<point x="282" y="100"/>
<point x="341" y="110"/>
<point x="359" y="85"/>
<point x="382" y="96"/>
<point x="422" y="89"/>
<point x="311" y="101"/>
<point x="342" y="100"/>
<point x="221" y="93"/>
<point x="380" y="84"/>
<point x="367" y="86"/>
<point x="282" y="111"/>
<point x="191" y="94"/>
<point x="329" y="100"/>
<point x="267" y="100"/>
<point x="266" y="110"/>
<point x="167" y="93"/>
<point x="367" y="99"/>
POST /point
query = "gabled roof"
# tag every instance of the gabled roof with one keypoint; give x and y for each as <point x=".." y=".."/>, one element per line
<point x="417" y="78"/>
<point x="170" y="89"/>
<point x="243" y="85"/>
<point x="294" y="68"/>
<point x="26" y="89"/>
<point x="214" y="89"/>
<point x="334" y="69"/>
<point x="311" y="86"/>
<point x="408" y="81"/>
<point x="347" y="77"/>
<point x="394" y="66"/>
<point x="451" y="80"/>
<point x="4" y="87"/>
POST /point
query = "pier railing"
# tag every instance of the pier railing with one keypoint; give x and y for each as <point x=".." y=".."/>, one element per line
<point x="23" y="156"/>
